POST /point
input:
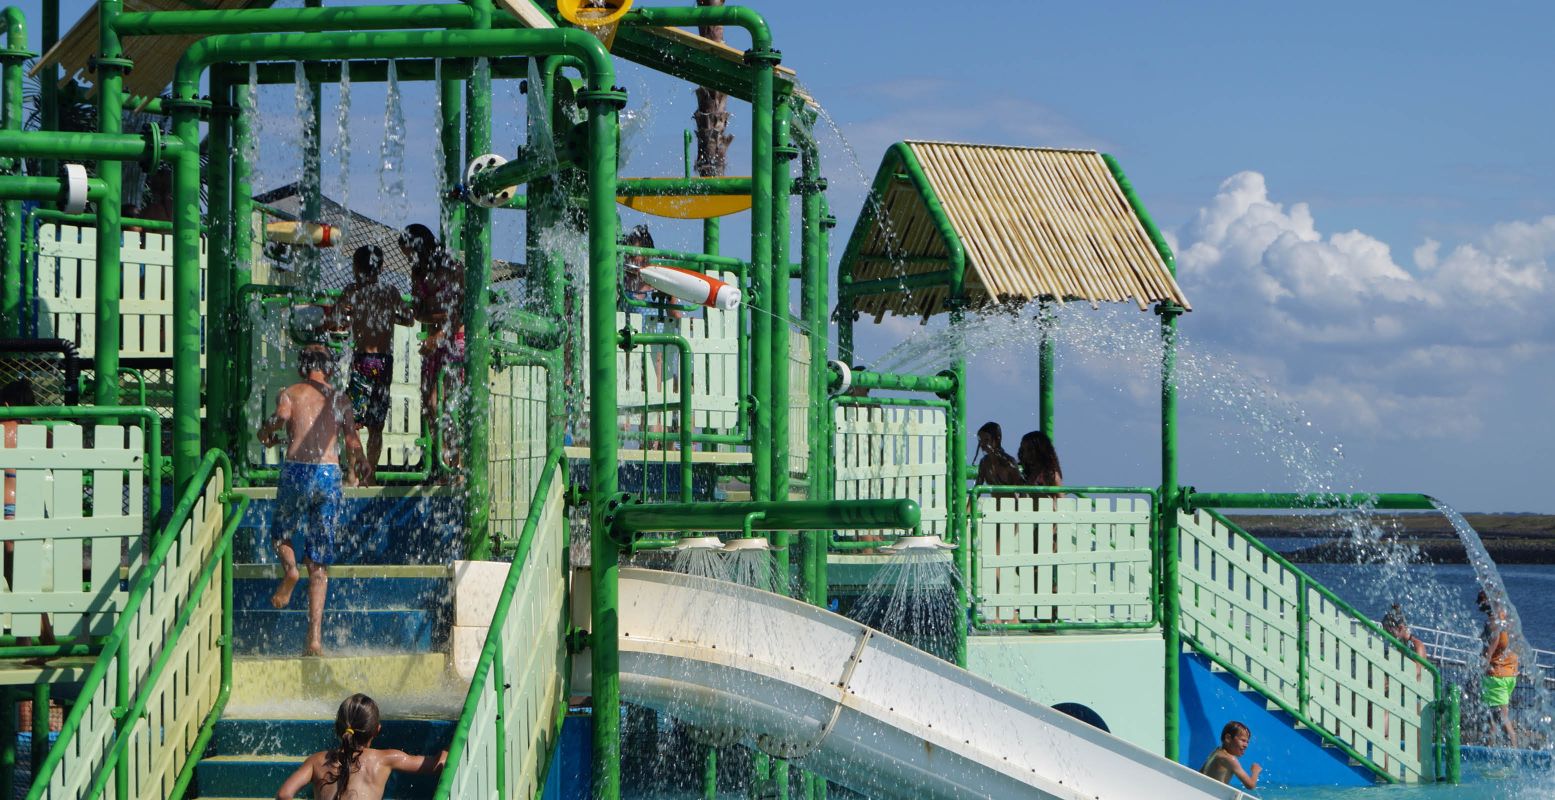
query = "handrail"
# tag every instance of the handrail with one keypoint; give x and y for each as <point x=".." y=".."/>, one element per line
<point x="489" y="651"/>
<point x="118" y="638"/>
<point x="973" y="535"/>
<point x="1442" y="739"/>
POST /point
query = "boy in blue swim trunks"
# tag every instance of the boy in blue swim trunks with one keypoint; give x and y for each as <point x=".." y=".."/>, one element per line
<point x="315" y="418"/>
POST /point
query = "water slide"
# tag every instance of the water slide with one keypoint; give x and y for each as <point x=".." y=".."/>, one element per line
<point x="856" y="706"/>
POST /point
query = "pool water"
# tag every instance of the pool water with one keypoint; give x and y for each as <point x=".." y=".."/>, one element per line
<point x="1496" y="779"/>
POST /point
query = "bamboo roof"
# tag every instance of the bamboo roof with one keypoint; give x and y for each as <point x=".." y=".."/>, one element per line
<point x="1034" y="223"/>
<point x="155" y="57"/>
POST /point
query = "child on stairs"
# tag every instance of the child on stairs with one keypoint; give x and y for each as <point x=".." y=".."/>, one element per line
<point x="353" y="770"/>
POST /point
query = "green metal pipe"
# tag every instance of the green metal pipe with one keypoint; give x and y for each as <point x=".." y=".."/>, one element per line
<point x="55" y="215"/>
<point x="1383" y="501"/>
<point x="712" y="262"/>
<point x="8" y="738"/>
<point x="1046" y="360"/>
<point x="710" y="774"/>
<point x="48" y="79"/>
<point x="371" y="70"/>
<point x="81" y="146"/>
<point x="13" y="57"/>
<point x="813" y="301"/>
<point x="661" y="187"/>
<point x="908" y="402"/>
<point x="700" y="16"/>
<point x="628" y="520"/>
<point x="941" y="384"/>
<point x="111" y="66"/>
<point x="763" y="279"/>
<point x="527" y="166"/>
<point x="301" y="20"/>
<point x="22" y="187"/>
<point x="632" y="339"/>
<point x="603" y="105"/>
<point x="220" y="312"/>
<point x="919" y="280"/>
<point x="782" y="180"/>
<point x="477" y="317"/>
<point x="1169" y="548"/>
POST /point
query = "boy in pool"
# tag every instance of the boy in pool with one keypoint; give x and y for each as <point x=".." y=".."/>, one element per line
<point x="1501" y="662"/>
<point x="314" y="417"/>
<point x="1226" y="762"/>
<point x="352" y="768"/>
<point x="371" y="309"/>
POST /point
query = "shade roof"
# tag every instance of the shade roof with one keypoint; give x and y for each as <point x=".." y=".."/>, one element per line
<point x="1034" y="223"/>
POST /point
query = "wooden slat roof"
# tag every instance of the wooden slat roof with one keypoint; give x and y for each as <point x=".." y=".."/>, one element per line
<point x="1033" y="222"/>
<point x="155" y="57"/>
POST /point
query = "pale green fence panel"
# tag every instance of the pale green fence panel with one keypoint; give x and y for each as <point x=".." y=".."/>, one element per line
<point x="1245" y="607"/>
<point x="532" y="658"/>
<point x="70" y="536"/>
<point x="159" y="742"/>
<point x="67" y="290"/>
<point x="883" y="452"/>
<point x="1064" y="560"/>
<point x="273" y="362"/>
<point x="714" y="336"/>
<point x="516" y="445"/>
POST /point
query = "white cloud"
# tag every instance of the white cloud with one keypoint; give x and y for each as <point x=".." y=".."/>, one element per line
<point x="1371" y="345"/>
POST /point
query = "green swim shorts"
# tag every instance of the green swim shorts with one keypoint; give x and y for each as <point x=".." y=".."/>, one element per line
<point x="1497" y="691"/>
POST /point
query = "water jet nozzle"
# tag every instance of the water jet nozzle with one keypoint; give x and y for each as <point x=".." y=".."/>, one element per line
<point x="918" y="543"/>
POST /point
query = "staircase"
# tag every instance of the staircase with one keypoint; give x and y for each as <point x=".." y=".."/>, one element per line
<point x="386" y="631"/>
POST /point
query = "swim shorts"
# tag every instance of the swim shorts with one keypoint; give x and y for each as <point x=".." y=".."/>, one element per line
<point x="371" y="374"/>
<point x="1497" y="691"/>
<point x="448" y="353"/>
<point x="308" y="500"/>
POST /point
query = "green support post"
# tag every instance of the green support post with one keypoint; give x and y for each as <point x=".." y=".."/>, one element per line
<point x="111" y="66"/>
<point x="1170" y="503"/>
<point x="603" y="103"/>
<point x="41" y="697"/>
<point x="48" y="83"/>
<point x="783" y="153"/>
<point x="241" y="251"/>
<point x="477" y="324"/>
<point x="812" y="302"/>
<point x="220" y="314"/>
<point x="1045" y="371"/>
<point x="763" y="273"/>
<point x="13" y="57"/>
<point x="8" y="724"/>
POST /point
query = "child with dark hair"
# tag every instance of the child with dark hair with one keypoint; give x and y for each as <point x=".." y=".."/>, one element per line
<point x="1225" y="762"/>
<point x="996" y="468"/>
<point x="353" y="768"/>
<point x="659" y="316"/>
<point x="371" y="310"/>
<point x="437" y="286"/>
<point x="1039" y="461"/>
<point x="308" y="496"/>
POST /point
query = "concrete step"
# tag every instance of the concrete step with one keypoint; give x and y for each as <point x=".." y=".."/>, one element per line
<point x="404" y="685"/>
<point x="393" y="525"/>
<point x="351" y="587"/>
<point x="270" y="632"/>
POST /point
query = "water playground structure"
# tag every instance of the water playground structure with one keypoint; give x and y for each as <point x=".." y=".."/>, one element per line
<point x="154" y="347"/>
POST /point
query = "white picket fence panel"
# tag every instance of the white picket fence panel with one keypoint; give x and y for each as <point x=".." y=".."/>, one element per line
<point x="883" y="452"/>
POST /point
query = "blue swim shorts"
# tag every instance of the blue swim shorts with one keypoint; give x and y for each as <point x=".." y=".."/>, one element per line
<point x="308" y="500"/>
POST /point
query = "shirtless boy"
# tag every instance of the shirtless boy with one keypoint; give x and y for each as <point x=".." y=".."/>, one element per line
<point x="1226" y="762"/>
<point x="308" y="496"/>
<point x="372" y="309"/>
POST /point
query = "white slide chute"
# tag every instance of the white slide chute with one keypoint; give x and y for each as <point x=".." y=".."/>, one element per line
<point x="856" y="706"/>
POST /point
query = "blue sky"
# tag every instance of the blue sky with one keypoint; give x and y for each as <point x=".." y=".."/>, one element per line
<point x="1357" y="194"/>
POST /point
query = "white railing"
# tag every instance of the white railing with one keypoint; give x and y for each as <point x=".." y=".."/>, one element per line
<point x="520" y="672"/>
<point x="1296" y="643"/>
<point x="1063" y="562"/>
<point x="1463" y="650"/>
<point x="517" y="445"/>
<point x="883" y="452"/>
<point x="67" y="290"/>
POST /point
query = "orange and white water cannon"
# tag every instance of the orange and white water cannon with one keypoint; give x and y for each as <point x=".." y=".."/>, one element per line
<point x="316" y="234"/>
<point x="691" y="287"/>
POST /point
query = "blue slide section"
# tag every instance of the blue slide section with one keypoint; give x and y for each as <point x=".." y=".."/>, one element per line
<point x="1290" y="757"/>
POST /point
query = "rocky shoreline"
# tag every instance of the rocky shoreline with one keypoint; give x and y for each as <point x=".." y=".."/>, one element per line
<point x="1510" y="538"/>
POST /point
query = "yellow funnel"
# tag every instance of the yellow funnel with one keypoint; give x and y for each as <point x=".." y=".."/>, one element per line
<point x="598" y="17"/>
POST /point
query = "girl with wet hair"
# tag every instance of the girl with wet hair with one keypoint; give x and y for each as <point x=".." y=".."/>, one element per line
<point x="352" y="769"/>
<point x="996" y="468"/>
<point x="1039" y="461"/>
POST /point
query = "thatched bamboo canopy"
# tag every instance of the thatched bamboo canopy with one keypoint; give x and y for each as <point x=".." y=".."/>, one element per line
<point x="1034" y="223"/>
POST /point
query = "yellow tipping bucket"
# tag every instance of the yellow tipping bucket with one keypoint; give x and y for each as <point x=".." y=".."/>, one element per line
<point x="598" y="17"/>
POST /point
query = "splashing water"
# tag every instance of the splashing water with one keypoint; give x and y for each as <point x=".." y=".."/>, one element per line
<point x="913" y="597"/>
<point x="702" y="562"/>
<point x="752" y="568"/>
<point x="391" y="166"/>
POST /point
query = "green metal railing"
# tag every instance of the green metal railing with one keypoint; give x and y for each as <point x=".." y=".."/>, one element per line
<point x="1109" y="609"/>
<point x="1253" y="620"/>
<point x="135" y="683"/>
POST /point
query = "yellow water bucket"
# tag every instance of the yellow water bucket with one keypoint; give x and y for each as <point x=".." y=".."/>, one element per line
<point x="598" y="17"/>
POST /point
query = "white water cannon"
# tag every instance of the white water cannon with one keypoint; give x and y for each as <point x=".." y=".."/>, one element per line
<point x="74" y="178"/>
<point x="691" y="287"/>
<point x="314" y="234"/>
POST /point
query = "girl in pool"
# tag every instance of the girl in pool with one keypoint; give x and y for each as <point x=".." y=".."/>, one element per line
<point x="353" y="770"/>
